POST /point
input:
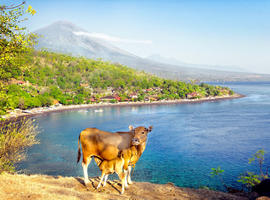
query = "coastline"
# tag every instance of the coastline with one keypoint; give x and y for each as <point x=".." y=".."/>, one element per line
<point x="35" y="186"/>
<point x="17" y="113"/>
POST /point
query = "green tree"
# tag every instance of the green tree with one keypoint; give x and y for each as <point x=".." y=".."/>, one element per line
<point x="55" y="92"/>
<point x="15" y="40"/>
<point x="250" y="179"/>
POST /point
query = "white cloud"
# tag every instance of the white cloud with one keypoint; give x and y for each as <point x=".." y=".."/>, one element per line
<point x="112" y="38"/>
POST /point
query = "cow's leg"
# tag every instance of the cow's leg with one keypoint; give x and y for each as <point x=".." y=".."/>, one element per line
<point x="105" y="180"/>
<point x="122" y="177"/>
<point x="101" y="179"/>
<point x="126" y="176"/>
<point x="129" y="175"/>
<point x="85" y="163"/>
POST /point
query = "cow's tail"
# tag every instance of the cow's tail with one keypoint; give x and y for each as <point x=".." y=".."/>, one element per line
<point x="79" y="149"/>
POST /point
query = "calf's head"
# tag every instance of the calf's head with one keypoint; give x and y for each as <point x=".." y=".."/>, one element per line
<point x="140" y="134"/>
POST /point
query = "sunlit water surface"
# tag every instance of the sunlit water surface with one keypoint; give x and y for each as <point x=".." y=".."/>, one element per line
<point x="186" y="142"/>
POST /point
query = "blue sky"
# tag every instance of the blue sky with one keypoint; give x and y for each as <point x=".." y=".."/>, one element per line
<point x="221" y="32"/>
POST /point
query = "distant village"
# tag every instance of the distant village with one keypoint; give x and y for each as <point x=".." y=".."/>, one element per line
<point x="112" y="95"/>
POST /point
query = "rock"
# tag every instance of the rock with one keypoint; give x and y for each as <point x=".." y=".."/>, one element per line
<point x="17" y="111"/>
<point x="27" y="111"/>
<point x="263" y="198"/>
<point x="252" y="195"/>
<point x="263" y="188"/>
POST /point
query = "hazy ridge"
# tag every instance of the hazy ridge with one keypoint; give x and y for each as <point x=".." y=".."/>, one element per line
<point x="65" y="37"/>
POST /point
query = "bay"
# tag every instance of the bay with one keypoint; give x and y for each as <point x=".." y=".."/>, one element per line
<point x="186" y="142"/>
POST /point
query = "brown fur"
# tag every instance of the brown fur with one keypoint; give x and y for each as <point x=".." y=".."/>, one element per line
<point x="118" y="165"/>
<point x="106" y="145"/>
<point x="110" y="167"/>
<point x="134" y="153"/>
<point x="128" y="157"/>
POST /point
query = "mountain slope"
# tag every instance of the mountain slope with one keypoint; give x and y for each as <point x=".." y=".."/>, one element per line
<point x="173" y="61"/>
<point x="65" y="37"/>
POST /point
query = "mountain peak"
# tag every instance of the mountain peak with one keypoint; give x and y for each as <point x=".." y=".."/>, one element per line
<point x="63" y="22"/>
<point x="63" y="26"/>
<point x="66" y="37"/>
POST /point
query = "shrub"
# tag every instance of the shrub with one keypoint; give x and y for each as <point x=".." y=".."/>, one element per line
<point x="15" y="137"/>
<point x="250" y="179"/>
<point x="45" y="100"/>
<point x="113" y="101"/>
<point x="217" y="172"/>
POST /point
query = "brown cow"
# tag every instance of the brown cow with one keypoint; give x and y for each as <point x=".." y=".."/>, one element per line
<point x="106" y="145"/>
<point x="133" y="155"/>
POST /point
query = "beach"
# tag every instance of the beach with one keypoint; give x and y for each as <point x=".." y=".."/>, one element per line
<point x="18" y="113"/>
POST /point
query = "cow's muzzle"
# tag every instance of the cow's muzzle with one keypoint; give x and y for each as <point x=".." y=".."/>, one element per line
<point x="135" y="141"/>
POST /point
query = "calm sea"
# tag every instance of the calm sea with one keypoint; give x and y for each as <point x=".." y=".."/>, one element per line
<point x="186" y="142"/>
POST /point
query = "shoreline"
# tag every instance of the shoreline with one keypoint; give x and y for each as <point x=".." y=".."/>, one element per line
<point x="36" y="186"/>
<point x="17" y="113"/>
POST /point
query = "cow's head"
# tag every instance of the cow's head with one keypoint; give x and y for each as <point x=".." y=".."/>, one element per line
<point x="140" y="134"/>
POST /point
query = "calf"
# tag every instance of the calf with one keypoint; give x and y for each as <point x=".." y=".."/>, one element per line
<point x="135" y="151"/>
<point x="113" y="166"/>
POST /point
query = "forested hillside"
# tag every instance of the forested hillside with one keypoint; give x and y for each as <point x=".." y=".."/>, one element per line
<point x="53" y="78"/>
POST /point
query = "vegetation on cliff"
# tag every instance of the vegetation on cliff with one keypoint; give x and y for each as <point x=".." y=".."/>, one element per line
<point x="15" y="42"/>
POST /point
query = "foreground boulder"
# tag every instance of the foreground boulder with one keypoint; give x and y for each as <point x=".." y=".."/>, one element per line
<point x="263" y="188"/>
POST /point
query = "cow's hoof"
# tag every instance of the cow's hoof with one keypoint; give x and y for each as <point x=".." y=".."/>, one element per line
<point x="86" y="182"/>
<point x="130" y="182"/>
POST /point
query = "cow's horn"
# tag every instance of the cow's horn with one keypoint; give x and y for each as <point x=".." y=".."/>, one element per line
<point x="130" y="127"/>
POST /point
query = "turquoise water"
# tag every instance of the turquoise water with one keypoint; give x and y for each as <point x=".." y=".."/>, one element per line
<point x="186" y="142"/>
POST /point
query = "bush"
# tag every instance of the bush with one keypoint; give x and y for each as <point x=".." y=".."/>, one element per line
<point x="45" y="100"/>
<point x="78" y="99"/>
<point x="15" y="137"/>
<point x="250" y="179"/>
<point x="217" y="172"/>
<point x="113" y="101"/>
<point x="231" y="92"/>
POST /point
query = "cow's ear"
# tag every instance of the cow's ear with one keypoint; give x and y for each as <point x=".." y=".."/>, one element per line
<point x="130" y="127"/>
<point x="150" y="129"/>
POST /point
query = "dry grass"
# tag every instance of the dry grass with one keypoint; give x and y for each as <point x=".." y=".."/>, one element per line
<point x="15" y="137"/>
<point x="33" y="187"/>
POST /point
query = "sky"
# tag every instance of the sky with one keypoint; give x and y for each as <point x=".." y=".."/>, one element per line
<point x="214" y="32"/>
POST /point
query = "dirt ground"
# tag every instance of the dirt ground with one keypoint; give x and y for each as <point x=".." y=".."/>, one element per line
<point x="14" y="186"/>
